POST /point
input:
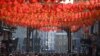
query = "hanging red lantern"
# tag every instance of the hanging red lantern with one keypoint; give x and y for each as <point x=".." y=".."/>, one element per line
<point x="48" y="1"/>
<point x="7" y="1"/>
<point x="53" y="1"/>
<point x="56" y="1"/>
<point x="33" y="1"/>
<point x="76" y="16"/>
<point x="20" y="1"/>
<point x="12" y="0"/>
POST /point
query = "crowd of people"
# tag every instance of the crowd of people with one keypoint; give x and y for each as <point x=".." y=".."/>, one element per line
<point x="92" y="44"/>
<point x="5" y="47"/>
<point x="92" y="41"/>
<point x="40" y="54"/>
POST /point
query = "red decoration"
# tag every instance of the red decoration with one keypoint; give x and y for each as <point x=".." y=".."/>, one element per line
<point x="34" y="1"/>
<point x="12" y="0"/>
<point x="37" y="15"/>
<point x="20" y="1"/>
<point x="52" y="1"/>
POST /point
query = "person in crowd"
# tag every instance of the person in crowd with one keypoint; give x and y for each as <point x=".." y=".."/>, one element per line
<point x="93" y="38"/>
<point x="89" y="45"/>
<point x="97" y="42"/>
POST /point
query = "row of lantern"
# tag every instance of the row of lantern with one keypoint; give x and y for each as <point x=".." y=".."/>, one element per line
<point x="86" y="18"/>
<point x="31" y="1"/>
<point x="61" y="16"/>
<point x="37" y="10"/>
<point x="34" y="1"/>
<point x="38" y="7"/>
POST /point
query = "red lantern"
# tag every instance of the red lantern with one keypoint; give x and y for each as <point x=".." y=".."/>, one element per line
<point x="55" y="1"/>
<point x="7" y="1"/>
<point x="20" y="1"/>
<point x="33" y="1"/>
<point x="12" y="0"/>
<point x="47" y="1"/>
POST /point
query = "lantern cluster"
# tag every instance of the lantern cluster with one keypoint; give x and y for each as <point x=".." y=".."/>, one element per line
<point x="34" y="14"/>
